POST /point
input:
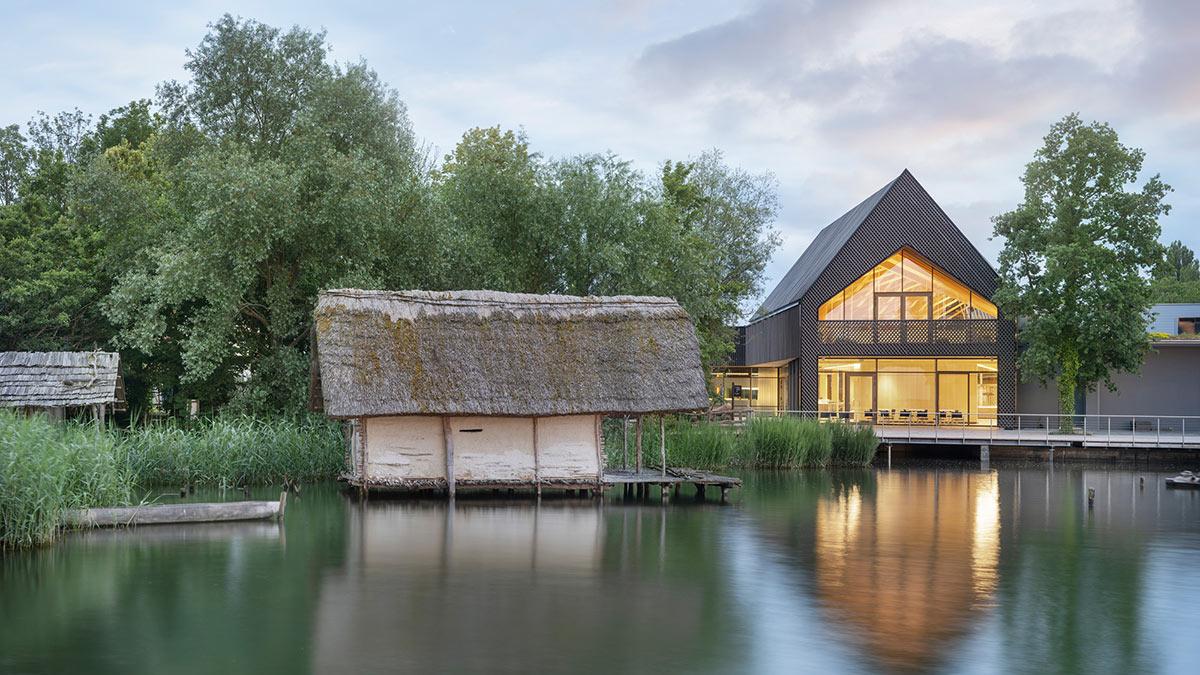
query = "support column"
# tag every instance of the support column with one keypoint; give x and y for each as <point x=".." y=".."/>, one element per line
<point x="662" y="446"/>
<point x="637" y="439"/>
<point x="537" y="462"/>
<point x="448" y="433"/>
<point x="599" y="454"/>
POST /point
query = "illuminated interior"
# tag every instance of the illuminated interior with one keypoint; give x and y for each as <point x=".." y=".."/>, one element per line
<point x="909" y="390"/>
<point x="906" y="287"/>
<point x="756" y="387"/>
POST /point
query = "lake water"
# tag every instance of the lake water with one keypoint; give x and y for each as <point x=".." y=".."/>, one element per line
<point x="922" y="567"/>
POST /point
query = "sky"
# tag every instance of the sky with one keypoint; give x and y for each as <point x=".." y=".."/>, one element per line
<point x="834" y="98"/>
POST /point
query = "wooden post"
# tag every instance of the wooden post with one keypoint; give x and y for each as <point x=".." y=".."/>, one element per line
<point x="537" y="462"/>
<point x="599" y="455"/>
<point x="448" y="433"/>
<point x="625" y="442"/>
<point x="363" y="478"/>
<point x="637" y="440"/>
<point x="662" y="445"/>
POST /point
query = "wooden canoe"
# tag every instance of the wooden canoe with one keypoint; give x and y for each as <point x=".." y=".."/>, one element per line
<point x="176" y="513"/>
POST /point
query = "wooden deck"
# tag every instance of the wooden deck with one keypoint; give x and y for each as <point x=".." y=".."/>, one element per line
<point x="638" y="483"/>
<point x="633" y="483"/>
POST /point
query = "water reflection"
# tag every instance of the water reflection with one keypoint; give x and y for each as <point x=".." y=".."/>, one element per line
<point x="907" y="567"/>
<point x="930" y="567"/>
<point x="487" y="586"/>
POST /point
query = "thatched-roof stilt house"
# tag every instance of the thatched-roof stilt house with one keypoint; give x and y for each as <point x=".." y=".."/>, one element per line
<point x="57" y="383"/>
<point x="488" y="389"/>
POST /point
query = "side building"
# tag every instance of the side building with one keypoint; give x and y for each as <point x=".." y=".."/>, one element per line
<point x="886" y="316"/>
<point x="489" y="389"/>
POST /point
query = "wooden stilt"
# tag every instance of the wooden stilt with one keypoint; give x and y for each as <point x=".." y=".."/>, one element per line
<point x="599" y="453"/>
<point x="637" y="436"/>
<point x="537" y="464"/>
<point x="662" y="443"/>
<point x="448" y="432"/>
<point x="625" y="442"/>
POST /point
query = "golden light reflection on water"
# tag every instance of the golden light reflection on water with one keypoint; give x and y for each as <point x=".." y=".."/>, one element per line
<point x="906" y="566"/>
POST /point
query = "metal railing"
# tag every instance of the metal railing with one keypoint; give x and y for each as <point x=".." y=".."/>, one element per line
<point x="954" y="427"/>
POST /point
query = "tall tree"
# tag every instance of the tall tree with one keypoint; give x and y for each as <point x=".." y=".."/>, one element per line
<point x="278" y="174"/>
<point x="1077" y="252"/>
<point x="1178" y="263"/>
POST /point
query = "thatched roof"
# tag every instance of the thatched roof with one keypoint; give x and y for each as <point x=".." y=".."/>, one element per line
<point x="54" y="379"/>
<point x="490" y="353"/>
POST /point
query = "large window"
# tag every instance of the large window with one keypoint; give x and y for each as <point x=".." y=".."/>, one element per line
<point x="757" y="387"/>
<point x="906" y="287"/>
<point x="915" y="390"/>
<point x="1189" y="326"/>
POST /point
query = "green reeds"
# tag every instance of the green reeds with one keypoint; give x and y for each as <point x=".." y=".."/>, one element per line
<point x="47" y="467"/>
<point x="763" y="442"/>
<point x="785" y="442"/>
<point x="853" y="443"/>
<point x="235" y="451"/>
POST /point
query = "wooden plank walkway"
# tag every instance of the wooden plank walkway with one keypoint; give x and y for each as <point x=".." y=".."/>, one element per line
<point x="637" y="483"/>
<point x="1042" y="437"/>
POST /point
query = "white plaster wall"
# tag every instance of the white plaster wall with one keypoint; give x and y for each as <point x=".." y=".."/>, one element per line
<point x="405" y="447"/>
<point x="567" y="446"/>
<point x="501" y="449"/>
<point x="485" y="448"/>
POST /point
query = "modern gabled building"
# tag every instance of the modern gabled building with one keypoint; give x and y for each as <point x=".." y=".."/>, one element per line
<point x="886" y="315"/>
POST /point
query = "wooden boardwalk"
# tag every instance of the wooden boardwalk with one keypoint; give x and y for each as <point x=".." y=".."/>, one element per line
<point x="1040" y="437"/>
<point x="638" y="483"/>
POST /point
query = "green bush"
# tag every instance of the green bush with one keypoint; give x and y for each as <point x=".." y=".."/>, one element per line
<point x="853" y="443"/>
<point x="47" y="467"/>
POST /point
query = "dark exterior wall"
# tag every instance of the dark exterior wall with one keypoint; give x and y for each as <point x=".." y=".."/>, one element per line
<point x="774" y="338"/>
<point x="1168" y="384"/>
<point x="906" y="216"/>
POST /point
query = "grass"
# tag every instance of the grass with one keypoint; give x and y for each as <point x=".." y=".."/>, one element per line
<point x="763" y="442"/>
<point x="46" y="467"/>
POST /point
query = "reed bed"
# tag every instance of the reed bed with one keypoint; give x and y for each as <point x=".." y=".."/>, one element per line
<point x="763" y="442"/>
<point x="235" y="451"/>
<point x="47" y="467"/>
<point x="853" y="444"/>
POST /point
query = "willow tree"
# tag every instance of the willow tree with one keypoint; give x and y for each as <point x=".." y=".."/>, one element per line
<point x="1076" y="259"/>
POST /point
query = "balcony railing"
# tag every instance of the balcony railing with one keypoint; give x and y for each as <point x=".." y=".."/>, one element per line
<point x="938" y="331"/>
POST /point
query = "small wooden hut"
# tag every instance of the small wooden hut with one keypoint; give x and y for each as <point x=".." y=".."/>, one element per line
<point x="489" y="389"/>
<point x="62" y="383"/>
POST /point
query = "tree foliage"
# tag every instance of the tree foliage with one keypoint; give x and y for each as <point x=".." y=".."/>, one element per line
<point x="1076" y="258"/>
<point x="1176" y="275"/>
<point x="195" y="231"/>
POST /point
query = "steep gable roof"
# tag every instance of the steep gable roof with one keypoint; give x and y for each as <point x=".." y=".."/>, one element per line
<point x="900" y="201"/>
<point x="820" y="253"/>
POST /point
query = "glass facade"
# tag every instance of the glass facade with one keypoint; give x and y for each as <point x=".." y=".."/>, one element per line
<point x="905" y="288"/>
<point x="756" y="387"/>
<point x="909" y="390"/>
